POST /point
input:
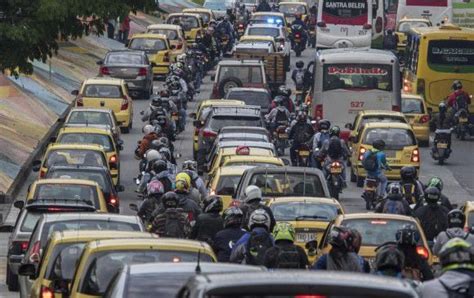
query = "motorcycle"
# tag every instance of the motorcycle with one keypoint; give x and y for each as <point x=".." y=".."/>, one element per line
<point x="441" y="150"/>
<point x="240" y="28"/>
<point x="303" y="152"/>
<point x="280" y="139"/>
<point x="297" y="39"/>
<point x="463" y="126"/>
<point x="334" y="178"/>
<point x="370" y="192"/>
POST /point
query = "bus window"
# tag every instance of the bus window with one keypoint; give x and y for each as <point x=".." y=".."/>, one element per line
<point x="357" y="76"/>
<point x="342" y="12"/>
<point x="444" y="53"/>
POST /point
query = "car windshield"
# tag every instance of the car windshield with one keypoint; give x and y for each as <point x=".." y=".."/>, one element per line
<point x="357" y="77"/>
<point x="87" y="138"/>
<point x="148" y="44"/>
<point x="98" y="177"/>
<point x="64" y="157"/>
<point x="124" y="58"/>
<point x="262" y="99"/>
<point x="52" y="191"/>
<point x="291" y="9"/>
<point x="29" y="222"/>
<point x="412" y="106"/>
<point x="290" y="211"/>
<point x="227" y="185"/>
<point x="376" y="231"/>
<point x="65" y="257"/>
<point x="86" y="117"/>
<point x="215" y="5"/>
<point x="246" y="74"/>
<point x="186" y="22"/>
<point x="273" y="32"/>
<point x="288" y="184"/>
<point x="218" y="122"/>
<point x="170" y="33"/>
<point x="102" y="266"/>
<point x="103" y="91"/>
<point x="395" y="138"/>
<point x="406" y="26"/>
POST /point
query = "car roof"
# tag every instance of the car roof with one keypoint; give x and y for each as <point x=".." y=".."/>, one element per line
<point x="164" y="26"/>
<point x="268" y="159"/>
<point x="221" y="102"/>
<point x="232" y="170"/>
<point x="258" y="38"/>
<point x="164" y="243"/>
<point x="388" y="125"/>
<point x="276" y="26"/>
<point x="94" y="147"/>
<point x="88" y="235"/>
<point x="381" y="112"/>
<point x="104" y="81"/>
<point x="251" y="144"/>
<point x="73" y="216"/>
<point x="65" y="181"/>
<point x="182" y="14"/>
<point x="257" y="45"/>
<point x="205" y="267"/>
<point x="127" y="51"/>
<point x="320" y="200"/>
<point x="85" y="130"/>
<point x="368" y="215"/>
<point x="245" y="62"/>
<point x="241" y="136"/>
<point x="80" y="168"/>
<point x="245" y="128"/>
<point x="84" y="109"/>
<point x="149" y="35"/>
<point x="260" y="90"/>
<point x="295" y="170"/>
<point x="354" y="54"/>
<point x="245" y="110"/>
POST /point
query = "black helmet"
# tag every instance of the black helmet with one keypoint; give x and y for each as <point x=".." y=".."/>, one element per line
<point x="156" y="101"/>
<point x="233" y="217"/>
<point x="170" y="200"/>
<point x="342" y="238"/>
<point x="302" y="117"/>
<point x="213" y="204"/>
<point x="299" y="64"/>
<point x="407" y="235"/>
<point x="283" y="90"/>
<point x="457" y="253"/>
<point x="408" y="173"/>
<point x="389" y="256"/>
<point x="166" y="153"/>
<point x="457" y="85"/>
<point x="155" y="144"/>
<point x="279" y="100"/>
<point x="432" y="195"/>
<point x="324" y="124"/>
<point x="164" y="141"/>
<point x="334" y="131"/>
<point x="379" y="144"/>
<point x="442" y="107"/>
<point x="189" y="165"/>
<point x="159" y="166"/>
<point x="456" y="219"/>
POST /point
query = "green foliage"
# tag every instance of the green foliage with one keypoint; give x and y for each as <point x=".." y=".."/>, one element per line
<point x="31" y="30"/>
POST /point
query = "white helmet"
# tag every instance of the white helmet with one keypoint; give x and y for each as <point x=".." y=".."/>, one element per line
<point x="152" y="155"/>
<point x="181" y="58"/>
<point x="259" y="218"/>
<point x="251" y="193"/>
<point x="147" y="129"/>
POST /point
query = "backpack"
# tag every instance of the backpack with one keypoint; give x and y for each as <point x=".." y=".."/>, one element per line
<point x="461" y="102"/>
<point x="409" y="192"/>
<point x="335" y="148"/>
<point x="322" y="138"/>
<point x="176" y="226"/>
<point x="412" y="273"/>
<point x="451" y="236"/>
<point x="394" y="207"/>
<point x="288" y="257"/>
<point x="370" y="161"/>
<point x="257" y="245"/>
<point x="281" y="116"/>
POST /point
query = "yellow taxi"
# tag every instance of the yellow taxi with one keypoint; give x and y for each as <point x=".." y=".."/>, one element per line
<point x="258" y="39"/>
<point x="100" y="260"/>
<point x="416" y="112"/>
<point x="267" y="17"/>
<point x="404" y="26"/>
<point x="224" y="183"/>
<point x="60" y="256"/>
<point x="191" y="23"/>
<point x="290" y="9"/>
<point x="68" y="189"/>
<point x="97" y="136"/>
<point x="75" y="154"/>
<point x="158" y="49"/>
<point x="203" y="110"/>
<point x="310" y="216"/>
<point x="175" y="35"/>
<point x="206" y="14"/>
<point x="376" y="229"/>
<point x="401" y="149"/>
<point x="468" y="209"/>
<point x="250" y="160"/>
<point x="107" y="93"/>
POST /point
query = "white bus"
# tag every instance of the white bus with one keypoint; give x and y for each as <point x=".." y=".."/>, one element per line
<point x="437" y="11"/>
<point x="347" y="81"/>
<point x="344" y="24"/>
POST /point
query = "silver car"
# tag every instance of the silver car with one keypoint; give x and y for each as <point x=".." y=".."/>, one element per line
<point x="93" y="117"/>
<point x="132" y="66"/>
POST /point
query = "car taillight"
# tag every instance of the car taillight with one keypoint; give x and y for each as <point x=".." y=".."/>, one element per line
<point x="113" y="162"/>
<point x="297" y="35"/>
<point x="422" y="252"/>
<point x="318" y="112"/>
<point x="362" y="151"/>
<point x="124" y="105"/>
<point x="212" y="192"/>
<point x="35" y="253"/>
<point x="19" y="247"/>
<point x="79" y="101"/>
<point x="209" y="133"/>
<point x="425" y="119"/>
<point x="42" y="173"/>
<point x="166" y="57"/>
<point x="335" y="165"/>
<point x="46" y="292"/>
<point x="396" y="108"/>
<point x="113" y="200"/>
<point x="241" y="26"/>
<point x="179" y="46"/>
<point x="415" y="155"/>
<point x="420" y="87"/>
<point x="367" y="26"/>
<point x="142" y="72"/>
<point x="104" y="71"/>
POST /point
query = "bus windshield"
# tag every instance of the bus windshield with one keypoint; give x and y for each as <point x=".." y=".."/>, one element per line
<point x="444" y="54"/>
<point x="344" y="12"/>
<point x="357" y="76"/>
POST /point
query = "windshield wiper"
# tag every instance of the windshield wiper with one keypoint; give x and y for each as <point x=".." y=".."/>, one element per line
<point x="303" y="217"/>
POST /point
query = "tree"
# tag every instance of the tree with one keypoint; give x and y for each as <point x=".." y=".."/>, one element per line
<point x="31" y="30"/>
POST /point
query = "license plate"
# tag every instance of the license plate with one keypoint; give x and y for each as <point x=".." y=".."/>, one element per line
<point x="305" y="237"/>
<point x="304" y="153"/>
<point x="283" y="136"/>
<point x="390" y="153"/>
<point x="463" y="120"/>
<point x="336" y="170"/>
<point x="442" y="145"/>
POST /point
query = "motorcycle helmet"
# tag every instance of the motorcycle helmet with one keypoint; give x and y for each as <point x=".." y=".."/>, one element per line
<point x="181" y="58"/>
<point x="284" y="231"/>
<point x="213" y="204"/>
<point x="259" y="218"/>
<point x="170" y="200"/>
<point x="164" y="141"/>
<point x="436" y="182"/>
<point x="285" y="91"/>
<point x="432" y="195"/>
<point x="334" y="131"/>
<point x="394" y="189"/>
<point x="408" y="173"/>
<point x="183" y="182"/>
<point x="233" y="217"/>
<point x="156" y="145"/>
<point x="159" y="166"/>
<point x="389" y="256"/>
<point x="407" y="235"/>
<point x="299" y="64"/>
<point x="456" y="219"/>
<point x="442" y="107"/>
<point x="324" y="124"/>
<point x="342" y="238"/>
<point x="156" y="101"/>
<point x="179" y="72"/>
<point x="166" y="153"/>
<point x="457" y="85"/>
<point x="152" y="155"/>
<point x="189" y="165"/>
<point x="147" y="129"/>
<point x="301" y="117"/>
<point x="379" y="144"/>
<point x="298" y="16"/>
<point x="279" y="100"/>
<point x="251" y="193"/>
<point x="161" y="120"/>
<point x="457" y="253"/>
<point x="155" y="188"/>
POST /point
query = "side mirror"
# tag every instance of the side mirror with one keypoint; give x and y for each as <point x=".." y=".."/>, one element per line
<point x="120" y="188"/>
<point x="99" y="62"/>
<point x="6" y="228"/>
<point x="348" y="126"/>
<point x="192" y="115"/>
<point x="312" y="247"/>
<point x="36" y="165"/>
<point x="75" y="92"/>
<point x="27" y="270"/>
<point x="213" y="77"/>
<point x="53" y="139"/>
<point x="19" y="204"/>
<point x="286" y="162"/>
<point x="133" y="207"/>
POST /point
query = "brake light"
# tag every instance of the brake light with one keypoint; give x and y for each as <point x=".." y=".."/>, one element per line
<point x="415" y="155"/>
<point x="179" y="46"/>
<point x="113" y="200"/>
<point x="212" y="192"/>
<point x="335" y="165"/>
<point x="396" y="108"/>
<point x="79" y="101"/>
<point x="422" y="252"/>
<point x="104" y="71"/>
<point x="35" y="253"/>
<point x="209" y="133"/>
<point x="420" y="87"/>
<point x="425" y="118"/>
<point x="142" y="72"/>
<point x="362" y="151"/>
<point x="297" y="35"/>
<point x="166" y="57"/>
<point x="318" y="112"/>
<point x="367" y="26"/>
<point x="55" y="209"/>
<point x="42" y="173"/>
<point x="241" y="26"/>
<point x="378" y="222"/>
<point x="113" y="161"/>
<point x="242" y="150"/>
<point x="46" y="292"/>
<point x="124" y="105"/>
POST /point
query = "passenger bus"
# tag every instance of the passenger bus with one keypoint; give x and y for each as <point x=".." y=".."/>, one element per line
<point x="435" y="57"/>
<point x="347" y="81"/>
<point x="437" y="11"/>
<point x="344" y="24"/>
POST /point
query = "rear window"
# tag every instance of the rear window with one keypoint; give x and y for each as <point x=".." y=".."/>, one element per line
<point x="382" y="119"/>
<point x="149" y="285"/>
<point x="103" y="91"/>
<point x="395" y="138"/>
<point x="148" y="44"/>
<point x="443" y="55"/>
<point x="218" y="122"/>
<point x="98" y="177"/>
<point x="250" y="163"/>
<point x="357" y="77"/>
<point x="85" y="117"/>
<point x="412" y="106"/>
<point x="246" y="74"/>
<point x="102" y="267"/>
<point x="261" y="99"/>
<point x="291" y="9"/>
<point x="29" y="222"/>
<point x="345" y="12"/>
<point x="294" y="184"/>
<point x="124" y="58"/>
<point x="53" y="191"/>
<point x="186" y="22"/>
<point x="65" y="257"/>
<point x="75" y="157"/>
<point x="87" y="138"/>
<point x="170" y="33"/>
<point x="376" y="232"/>
<point x="273" y="32"/>
<point x="227" y="185"/>
<point x="291" y="211"/>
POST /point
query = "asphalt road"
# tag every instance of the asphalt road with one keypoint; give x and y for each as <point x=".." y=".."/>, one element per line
<point x="456" y="173"/>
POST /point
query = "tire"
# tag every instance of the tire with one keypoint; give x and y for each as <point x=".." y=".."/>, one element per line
<point x="12" y="281"/>
<point x="298" y="52"/>
<point x="353" y="176"/>
<point x="228" y="83"/>
<point x="125" y="129"/>
<point x="424" y="143"/>
<point x="360" y="181"/>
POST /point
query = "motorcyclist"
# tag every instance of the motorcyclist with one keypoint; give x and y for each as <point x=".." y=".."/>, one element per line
<point x="225" y="239"/>
<point x="190" y="167"/>
<point x="231" y="15"/>
<point x="278" y="115"/>
<point x="380" y="165"/>
<point x="390" y="41"/>
<point x="253" y="201"/>
<point x="263" y="6"/>
<point x="299" y="22"/>
<point x="459" y="99"/>
<point x="335" y="149"/>
<point x="318" y="140"/>
<point x="210" y="43"/>
<point x="155" y="109"/>
<point x="225" y="27"/>
<point x="209" y="223"/>
<point x="456" y="222"/>
<point x="416" y="267"/>
<point x="412" y="188"/>
<point x="155" y="191"/>
<point x="394" y="202"/>
<point x="171" y="221"/>
<point x="151" y="133"/>
<point x="438" y="183"/>
<point x="301" y="78"/>
<point x="457" y="280"/>
<point x="161" y="173"/>
<point x="300" y="133"/>
<point x="285" y="254"/>
<point x="389" y="260"/>
<point x="178" y="95"/>
<point x="146" y="169"/>
<point x="285" y="92"/>
<point x="433" y="217"/>
<point x="442" y="123"/>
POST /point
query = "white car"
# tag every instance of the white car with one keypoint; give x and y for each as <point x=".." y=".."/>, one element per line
<point x="278" y="32"/>
<point x="255" y="47"/>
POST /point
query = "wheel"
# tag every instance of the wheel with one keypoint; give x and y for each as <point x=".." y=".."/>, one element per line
<point x="226" y="84"/>
<point x="353" y="176"/>
<point x="298" y="52"/>
<point x="360" y="181"/>
<point x="12" y="280"/>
